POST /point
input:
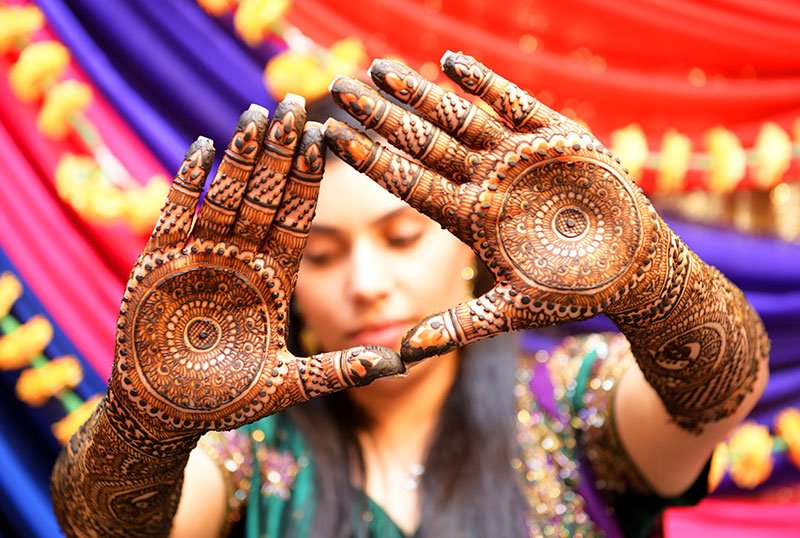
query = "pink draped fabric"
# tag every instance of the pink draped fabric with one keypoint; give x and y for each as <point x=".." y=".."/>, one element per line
<point x="76" y="268"/>
<point x="725" y="518"/>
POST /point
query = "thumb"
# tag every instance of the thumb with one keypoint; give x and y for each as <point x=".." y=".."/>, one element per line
<point x="468" y="322"/>
<point x="330" y="372"/>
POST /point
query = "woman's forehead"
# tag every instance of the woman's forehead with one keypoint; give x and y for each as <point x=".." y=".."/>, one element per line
<point x="350" y="198"/>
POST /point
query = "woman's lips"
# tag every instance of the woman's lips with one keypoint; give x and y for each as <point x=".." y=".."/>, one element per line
<point x="382" y="334"/>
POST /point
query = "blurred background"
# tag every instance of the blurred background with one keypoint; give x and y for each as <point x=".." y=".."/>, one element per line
<point x="100" y="98"/>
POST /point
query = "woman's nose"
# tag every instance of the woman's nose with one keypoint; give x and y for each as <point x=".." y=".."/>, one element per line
<point x="369" y="278"/>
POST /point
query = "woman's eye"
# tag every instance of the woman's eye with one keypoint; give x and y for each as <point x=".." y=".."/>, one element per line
<point x="403" y="240"/>
<point x="319" y="258"/>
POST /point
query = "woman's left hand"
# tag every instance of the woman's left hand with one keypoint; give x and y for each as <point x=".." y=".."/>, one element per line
<point x="543" y="204"/>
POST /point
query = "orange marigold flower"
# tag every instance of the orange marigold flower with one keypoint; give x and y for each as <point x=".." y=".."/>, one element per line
<point x="751" y="455"/>
<point x="719" y="465"/>
<point x="39" y="66"/>
<point x="29" y="340"/>
<point x="10" y="291"/>
<point x="217" y="7"/>
<point x="61" y="104"/>
<point x="67" y="426"/>
<point x="17" y="25"/>
<point x="37" y="385"/>
<point x="788" y="426"/>
<point x="254" y="18"/>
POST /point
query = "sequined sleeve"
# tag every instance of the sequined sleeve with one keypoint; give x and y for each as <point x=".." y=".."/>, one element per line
<point x="586" y="371"/>
<point x="232" y="451"/>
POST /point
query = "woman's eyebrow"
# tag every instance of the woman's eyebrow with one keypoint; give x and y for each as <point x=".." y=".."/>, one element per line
<point x="392" y="214"/>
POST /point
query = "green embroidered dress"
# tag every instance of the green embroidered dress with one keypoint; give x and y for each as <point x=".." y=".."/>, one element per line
<point x="573" y="471"/>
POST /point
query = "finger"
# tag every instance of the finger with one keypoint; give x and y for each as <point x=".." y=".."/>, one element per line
<point x="417" y="137"/>
<point x="457" y="116"/>
<point x="355" y="367"/>
<point x="441" y="199"/>
<point x="225" y="192"/>
<point x="263" y="192"/>
<point x="177" y="213"/>
<point x="288" y="234"/>
<point x="514" y="105"/>
<point x="468" y="322"/>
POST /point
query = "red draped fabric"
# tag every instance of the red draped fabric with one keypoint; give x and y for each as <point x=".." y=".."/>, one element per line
<point x="76" y="268"/>
<point x="683" y="64"/>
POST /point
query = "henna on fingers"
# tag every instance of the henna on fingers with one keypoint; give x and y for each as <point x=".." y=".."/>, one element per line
<point x="201" y="336"/>
<point x="563" y="228"/>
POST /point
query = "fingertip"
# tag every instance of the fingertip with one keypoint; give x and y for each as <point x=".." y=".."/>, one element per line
<point x="378" y="362"/>
<point x="295" y="98"/>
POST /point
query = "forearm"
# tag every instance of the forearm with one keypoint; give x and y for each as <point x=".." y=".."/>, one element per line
<point x="111" y="479"/>
<point x="696" y="339"/>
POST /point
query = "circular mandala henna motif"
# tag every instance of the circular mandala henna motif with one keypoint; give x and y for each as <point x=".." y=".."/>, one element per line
<point x="201" y="337"/>
<point x="571" y="228"/>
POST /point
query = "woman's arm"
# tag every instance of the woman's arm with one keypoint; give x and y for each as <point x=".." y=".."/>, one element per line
<point x="567" y="234"/>
<point x="200" y="336"/>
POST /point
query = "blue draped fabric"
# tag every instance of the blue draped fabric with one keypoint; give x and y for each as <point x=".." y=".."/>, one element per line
<point x="174" y="73"/>
<point x="27" y="447"/>
<point x="171" y="71"/>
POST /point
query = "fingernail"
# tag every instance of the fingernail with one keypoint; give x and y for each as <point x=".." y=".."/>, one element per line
<point x="295" y="98"/>
<point x="428" y="338"/>
<point x="331" y="123"/>
<point x="444" y="57"/>
<point x="336" y="79"/>
<point x="258" y="108"/>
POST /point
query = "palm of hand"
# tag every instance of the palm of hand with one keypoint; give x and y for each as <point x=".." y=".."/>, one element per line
<point x="542" y="203"/>
<point x="201" y="333"/>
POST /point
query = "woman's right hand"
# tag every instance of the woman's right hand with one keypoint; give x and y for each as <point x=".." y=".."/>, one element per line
<point x="200" y="342"/>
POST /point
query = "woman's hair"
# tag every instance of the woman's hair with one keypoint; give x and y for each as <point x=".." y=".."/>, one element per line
<point x="469" y="487"/>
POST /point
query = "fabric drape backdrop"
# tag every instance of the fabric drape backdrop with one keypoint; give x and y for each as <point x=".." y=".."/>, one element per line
<point x="165" y="72"/>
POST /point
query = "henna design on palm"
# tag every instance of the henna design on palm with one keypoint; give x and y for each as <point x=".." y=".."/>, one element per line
<point x="557" y="220"/>
<point x="201" y="332"/>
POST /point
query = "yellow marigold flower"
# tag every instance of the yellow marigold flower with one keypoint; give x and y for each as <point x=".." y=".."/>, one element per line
<point x="253" y="18"/>
<point x="37" y="385"/>
<point x="217" y="7"/>
<point x="39" y="66"/>
<point x="676" y="151"/>
<point x="751" y="455"/>
<point x="630" y="145"/>
<point x="788" y="426"/>
<point x="17" y="25"/>
<point x="19" y="347"/>
<point x="728" y="160"/>
<point x="80" y="182"/>
<point x="10" y="291"/>
<point x="773" y="154"/>
<point x="67" y="426"/>
<point x="293" y="72"/>
<point x="61" y="105"/>
<point x="143" y="205"/>
<point x="346" y="56"/>
<point x="719" y="464"/>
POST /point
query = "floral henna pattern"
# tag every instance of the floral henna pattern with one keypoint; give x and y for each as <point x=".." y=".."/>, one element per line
<point x="558" y="221"/>
<point x="201" y="335"/>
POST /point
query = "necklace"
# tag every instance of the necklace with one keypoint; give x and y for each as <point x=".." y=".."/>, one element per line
<point x="413" y="472"/>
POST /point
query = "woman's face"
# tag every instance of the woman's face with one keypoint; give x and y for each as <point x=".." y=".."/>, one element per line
<point x="373" y="266"/>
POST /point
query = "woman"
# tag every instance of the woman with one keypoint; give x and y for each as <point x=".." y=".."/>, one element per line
<point x="464" y="444"/>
